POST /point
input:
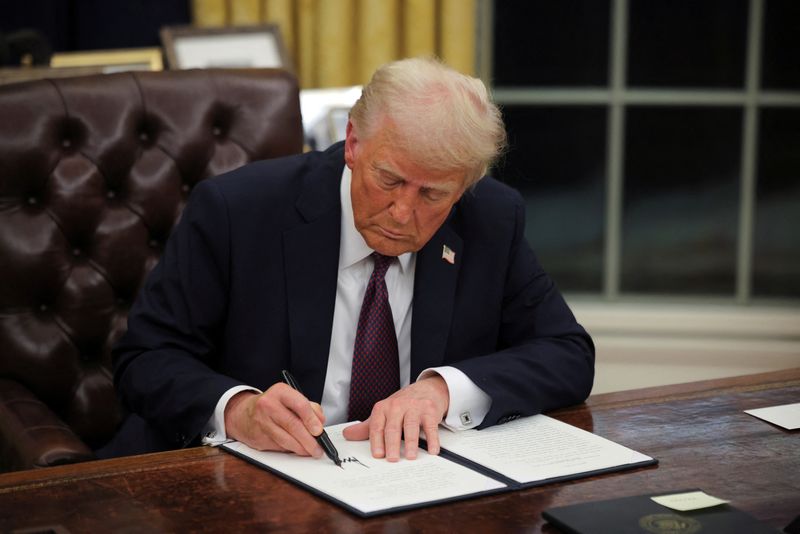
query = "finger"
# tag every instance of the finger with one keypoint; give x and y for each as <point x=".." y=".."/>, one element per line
<point x="357" y="432"/>
<point x="286" y="441"/>
<point x="431" y="427"/>
<point x="301" y="406"/>
<point x="290" y="421"/>
<point x="297" y="429"/>
<point x="377" y="424"/>
<point x="393" y="434"/>
<point x="411" y="435"/>
<point x="318" y="410"/>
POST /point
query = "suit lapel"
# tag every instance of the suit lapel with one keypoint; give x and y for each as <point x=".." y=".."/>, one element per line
<point x="311" y="253"/>
<point x="434" y="293"/>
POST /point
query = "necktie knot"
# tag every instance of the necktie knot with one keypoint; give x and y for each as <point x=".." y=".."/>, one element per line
<point x="382" y="264"/>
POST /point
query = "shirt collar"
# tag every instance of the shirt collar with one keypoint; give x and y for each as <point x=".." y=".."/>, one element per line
<point x="352" y="247"/>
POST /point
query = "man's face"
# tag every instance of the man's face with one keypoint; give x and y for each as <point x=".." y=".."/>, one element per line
<point x="397" y="204"/>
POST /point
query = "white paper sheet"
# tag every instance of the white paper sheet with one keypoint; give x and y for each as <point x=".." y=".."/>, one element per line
<point x="785" y="415"/>
<point x="684" y="502"/>
<point x="537" y="448"/>
<point x="373" y="485"/>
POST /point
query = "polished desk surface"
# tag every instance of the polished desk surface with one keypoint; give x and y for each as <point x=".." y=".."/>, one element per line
<point x="698" y="431"/>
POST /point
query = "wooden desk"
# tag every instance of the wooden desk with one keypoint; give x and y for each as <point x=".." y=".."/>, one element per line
<point x="698" y="432"/>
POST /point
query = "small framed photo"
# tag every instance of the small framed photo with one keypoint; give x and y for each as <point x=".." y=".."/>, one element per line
<point x="337" y="123"/>
<point x="325" y="114"/>
<point x="187" y="47"/>
<point x="110" y="60"/>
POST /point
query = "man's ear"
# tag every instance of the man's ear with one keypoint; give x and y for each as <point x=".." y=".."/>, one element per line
<point x="350" y="145"/>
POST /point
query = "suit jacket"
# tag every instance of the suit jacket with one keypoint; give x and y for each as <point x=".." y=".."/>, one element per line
<point x="247" y="283"/>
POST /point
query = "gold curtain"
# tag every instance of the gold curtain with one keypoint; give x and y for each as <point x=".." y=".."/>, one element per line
<point x="335" y="43"/>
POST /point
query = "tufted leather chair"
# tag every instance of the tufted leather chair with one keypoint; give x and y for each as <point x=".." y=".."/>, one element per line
<point x="94" y="173"/>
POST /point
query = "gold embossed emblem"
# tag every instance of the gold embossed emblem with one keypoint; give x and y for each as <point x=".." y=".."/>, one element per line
<point x="669" y="524"/>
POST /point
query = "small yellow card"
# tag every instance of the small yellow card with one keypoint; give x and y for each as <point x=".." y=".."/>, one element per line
<point x="683" y="502"/>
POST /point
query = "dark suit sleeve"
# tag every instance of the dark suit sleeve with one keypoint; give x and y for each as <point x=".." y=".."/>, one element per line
<point x="163" y="364"/>
<point x="544" y="359"/>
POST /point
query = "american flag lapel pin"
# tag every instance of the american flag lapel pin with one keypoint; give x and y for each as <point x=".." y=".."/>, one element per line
<point x="448" y="255"/>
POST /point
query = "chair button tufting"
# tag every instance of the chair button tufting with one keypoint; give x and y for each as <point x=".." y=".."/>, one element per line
<point x="33" y="201"/>
<point x="111" y="193"/>
<point x="66" y="143"/>
<point x="153" y="243"/>
<point x="76" y="252"/>
<point x="144" y="137"/>
<point x="217" y="131"/>
<point x="185" y="188"/>
<point x="43" y="307"/>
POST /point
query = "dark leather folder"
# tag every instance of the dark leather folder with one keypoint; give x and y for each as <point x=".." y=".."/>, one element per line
<point x="641" y="515"/>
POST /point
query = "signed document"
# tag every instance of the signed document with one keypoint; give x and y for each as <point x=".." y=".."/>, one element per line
<point x="367" y="485"/>
<point x="526" y="452"/>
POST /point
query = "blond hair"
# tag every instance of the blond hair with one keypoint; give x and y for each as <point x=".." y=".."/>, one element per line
<point x="445" y="120"/>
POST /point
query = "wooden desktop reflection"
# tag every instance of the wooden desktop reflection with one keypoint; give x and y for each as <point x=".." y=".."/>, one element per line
<point x="698" y="431"/>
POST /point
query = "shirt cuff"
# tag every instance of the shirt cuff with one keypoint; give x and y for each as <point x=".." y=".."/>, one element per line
<point x="214" y="430"/>
<point x="469" y="404"/>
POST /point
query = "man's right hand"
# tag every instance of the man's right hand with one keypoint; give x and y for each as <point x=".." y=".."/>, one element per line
<point x="280" y="419"/>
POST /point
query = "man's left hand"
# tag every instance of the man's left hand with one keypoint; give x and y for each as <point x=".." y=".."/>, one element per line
<point x="399" y="417"/>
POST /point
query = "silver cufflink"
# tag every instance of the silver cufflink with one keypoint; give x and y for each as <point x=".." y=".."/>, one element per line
<point x="466" y="419"/>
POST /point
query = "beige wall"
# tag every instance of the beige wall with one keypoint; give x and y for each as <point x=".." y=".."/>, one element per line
<point x="640" y="345"/>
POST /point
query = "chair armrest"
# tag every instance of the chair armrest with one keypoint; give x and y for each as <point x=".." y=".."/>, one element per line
<point x="31" y="435"/>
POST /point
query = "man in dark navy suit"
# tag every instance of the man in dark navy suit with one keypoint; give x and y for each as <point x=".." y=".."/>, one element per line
<point x="269" y="266"/>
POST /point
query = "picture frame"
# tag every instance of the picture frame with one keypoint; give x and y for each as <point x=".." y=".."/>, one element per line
<point x="107" y="61"/>
<point x="337" y="119"/>
<point x="188" y="47"/>
<point x="25" y="74"/>
<point x="325" y="114"/>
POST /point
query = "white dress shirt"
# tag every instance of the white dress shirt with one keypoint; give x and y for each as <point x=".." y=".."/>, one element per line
<point x="468" y="403"/>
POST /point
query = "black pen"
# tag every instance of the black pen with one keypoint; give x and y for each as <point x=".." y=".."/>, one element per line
<point x="323" y="439"/>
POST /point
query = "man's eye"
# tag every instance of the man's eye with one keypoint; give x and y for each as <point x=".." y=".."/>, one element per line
<point x="388" y="182"/>
<point x="434" y="196"/>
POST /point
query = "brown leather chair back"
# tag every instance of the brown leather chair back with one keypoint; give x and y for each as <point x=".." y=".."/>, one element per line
<point x="94" y="173"/>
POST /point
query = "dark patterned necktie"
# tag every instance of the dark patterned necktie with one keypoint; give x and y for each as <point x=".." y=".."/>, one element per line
<point x="376" y="368"/>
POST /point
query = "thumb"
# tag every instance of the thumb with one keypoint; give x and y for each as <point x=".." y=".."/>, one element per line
<point x="357" y="432"/>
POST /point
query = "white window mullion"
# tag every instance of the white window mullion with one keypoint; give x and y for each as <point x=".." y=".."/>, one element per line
<point x="747" y="194"/>
<point x="615" y="149"/>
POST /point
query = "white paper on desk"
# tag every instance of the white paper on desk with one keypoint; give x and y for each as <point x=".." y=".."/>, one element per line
<point x="378" y="484"/>
<point x="538" y="448"/>
<point x="785" y="415"/>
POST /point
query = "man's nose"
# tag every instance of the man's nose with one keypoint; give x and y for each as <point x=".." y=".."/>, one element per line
<point x="403" y="206"/>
